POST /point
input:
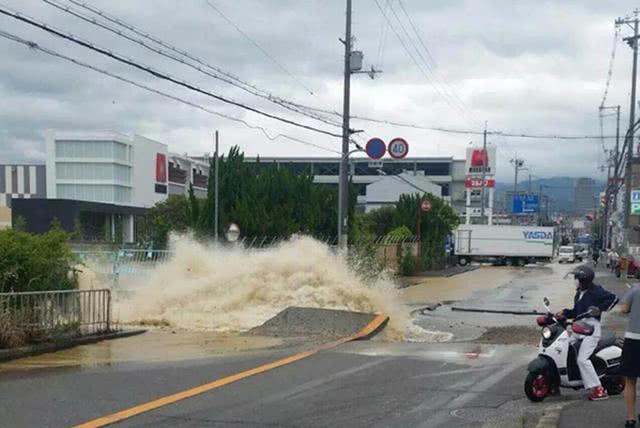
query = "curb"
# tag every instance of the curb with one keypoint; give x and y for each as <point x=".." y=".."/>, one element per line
<point x="550" y="417"/>
<point x="33" y="350"/>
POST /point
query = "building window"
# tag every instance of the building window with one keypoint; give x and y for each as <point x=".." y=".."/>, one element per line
<point x="434" y="168"/>
<point x="326" y="168"/>
<point x="83" y="149"/>
<point x="445" y="189"/>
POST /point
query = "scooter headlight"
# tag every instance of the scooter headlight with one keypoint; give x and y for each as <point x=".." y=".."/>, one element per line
<point x="546" y="333"/>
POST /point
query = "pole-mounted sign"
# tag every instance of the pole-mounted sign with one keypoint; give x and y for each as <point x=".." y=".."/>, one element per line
<point x="398" y="148"/>
<point x="375" y="148"/>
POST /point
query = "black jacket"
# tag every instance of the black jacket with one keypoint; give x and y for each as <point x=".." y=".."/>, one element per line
<point x="596" y="296"/>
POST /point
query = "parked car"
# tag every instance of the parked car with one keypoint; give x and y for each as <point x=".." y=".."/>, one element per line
<point x="581" y="251"/>
<point x="566" y="254"/>
<point x="633" y="269"/>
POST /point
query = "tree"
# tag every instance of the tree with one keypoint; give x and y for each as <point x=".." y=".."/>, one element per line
<point x="170" y="215"/>
<point x="435" y="225"/>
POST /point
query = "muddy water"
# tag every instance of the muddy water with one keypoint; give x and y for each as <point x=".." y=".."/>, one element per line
<point x="153" y="346"/>
<point x="205" y="288"/>
<point x="433" y="290"/>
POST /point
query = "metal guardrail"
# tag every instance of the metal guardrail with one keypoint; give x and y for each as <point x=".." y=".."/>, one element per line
<point x="48" y="312"/>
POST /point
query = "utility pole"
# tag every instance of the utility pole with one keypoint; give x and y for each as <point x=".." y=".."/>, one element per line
<point x="350" y="67"/>
<point x="343" y="191"/>
<point x="484" y="171"/>
<point x="216" y="196"/>
<point x="613" y="174"/>
<point x="633" y="43"/>
<point x="517" y="163"/>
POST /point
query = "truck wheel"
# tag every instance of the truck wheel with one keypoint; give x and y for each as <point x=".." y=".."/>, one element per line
<point x="463" y="261"/>
<point x="537" y="386"/>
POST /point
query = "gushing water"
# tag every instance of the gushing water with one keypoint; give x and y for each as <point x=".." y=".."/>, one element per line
<point x="228" y="289"/>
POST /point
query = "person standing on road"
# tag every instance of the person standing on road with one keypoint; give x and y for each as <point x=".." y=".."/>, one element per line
<point x="590" y="300"/>
<point x="630" y="366"/>
<point x="596" y="256"/>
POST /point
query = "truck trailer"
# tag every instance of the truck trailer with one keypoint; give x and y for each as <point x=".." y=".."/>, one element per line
<point x="500" y="244"/>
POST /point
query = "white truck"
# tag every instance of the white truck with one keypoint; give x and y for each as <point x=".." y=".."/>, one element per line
<point x="517" y="245"/>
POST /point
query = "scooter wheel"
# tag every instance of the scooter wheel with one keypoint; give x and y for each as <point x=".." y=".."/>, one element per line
<point x="537" y="386"/>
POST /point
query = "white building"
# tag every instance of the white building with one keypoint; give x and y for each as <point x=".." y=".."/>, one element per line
<point x="386" y="191"/>
<point x="105" y="180"/>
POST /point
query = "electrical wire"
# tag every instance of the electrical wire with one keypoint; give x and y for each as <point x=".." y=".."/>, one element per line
<point x="215" y="74"/>
<point x="434" y="67"/>
<point x="260" y="48"/>
<point x="417" y="64"/>
<point x="616" y="34"/>
<point x="36" y="46"/>
<point x="156" y="73"/>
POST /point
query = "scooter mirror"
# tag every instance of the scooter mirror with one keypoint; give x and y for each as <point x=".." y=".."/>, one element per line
<point x="546" y="301"/>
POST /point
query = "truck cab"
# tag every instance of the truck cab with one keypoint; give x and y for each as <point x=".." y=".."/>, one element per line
<point x="567" y="254"/>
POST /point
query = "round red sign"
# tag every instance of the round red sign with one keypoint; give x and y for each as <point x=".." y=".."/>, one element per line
<point x="425" y="206"/>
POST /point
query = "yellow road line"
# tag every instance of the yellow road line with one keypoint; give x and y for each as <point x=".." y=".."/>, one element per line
<point x="370" y="328"/>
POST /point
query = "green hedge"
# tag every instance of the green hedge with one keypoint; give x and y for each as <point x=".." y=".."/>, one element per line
<point x="36" y="262"/>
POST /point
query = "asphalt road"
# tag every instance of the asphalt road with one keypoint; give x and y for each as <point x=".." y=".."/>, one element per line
<point x="360" y="384"/>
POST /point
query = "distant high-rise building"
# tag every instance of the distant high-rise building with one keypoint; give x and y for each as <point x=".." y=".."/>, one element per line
<point x="585" y="190"/>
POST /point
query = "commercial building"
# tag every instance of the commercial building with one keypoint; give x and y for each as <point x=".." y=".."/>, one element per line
<point x="445" y="172"/>
<point x="19" y="181"/>
<point x="585" y="199"/>
<point x="102" y="183"/>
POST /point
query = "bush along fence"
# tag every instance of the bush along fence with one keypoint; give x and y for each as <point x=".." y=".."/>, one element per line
<point x="32" y="317"/>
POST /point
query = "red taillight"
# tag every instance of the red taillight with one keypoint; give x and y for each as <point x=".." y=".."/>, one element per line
<point x="541" y="320"/>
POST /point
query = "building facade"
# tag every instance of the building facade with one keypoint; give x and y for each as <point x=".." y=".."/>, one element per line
<point x="102" y="183"/>
<point x="585" y="191"/>
<point x="446" y="172"/>
<point x="386" y="191"/>
<point x="21" y="182"/>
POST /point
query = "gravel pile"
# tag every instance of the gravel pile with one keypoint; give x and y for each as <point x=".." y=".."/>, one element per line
<point x="296" y="321"/>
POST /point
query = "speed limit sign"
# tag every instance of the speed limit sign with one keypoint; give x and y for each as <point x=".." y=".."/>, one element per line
<point x="398" y="148"/>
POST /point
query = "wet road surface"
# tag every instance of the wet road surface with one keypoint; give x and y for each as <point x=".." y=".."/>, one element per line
<point x="365" y="383"/>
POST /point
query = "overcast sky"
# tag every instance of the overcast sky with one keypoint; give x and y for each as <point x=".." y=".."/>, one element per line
<point x="522" y="66"/>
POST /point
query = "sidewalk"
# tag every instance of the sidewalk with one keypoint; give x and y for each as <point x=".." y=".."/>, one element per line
<point x="609" y="413"/>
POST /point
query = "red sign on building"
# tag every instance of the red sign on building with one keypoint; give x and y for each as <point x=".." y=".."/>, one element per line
<point x="473" y="183"/>
<point x="161" y="168"/>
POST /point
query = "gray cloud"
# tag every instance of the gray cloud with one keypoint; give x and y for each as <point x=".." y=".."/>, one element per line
<point x="524" y="66"/>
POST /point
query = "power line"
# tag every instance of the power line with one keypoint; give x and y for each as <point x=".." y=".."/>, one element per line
<point x="173" y="57"/>
<point x="413" y="59"/>
<point x="610" y="71"/>
<point x="33" y="45"/>
<point x="471" y="132"/>
<point x="156" y="73"/>
<point x="224" y="75"/>
<point x="260" y="48"/>
<point x="428" y="52"/>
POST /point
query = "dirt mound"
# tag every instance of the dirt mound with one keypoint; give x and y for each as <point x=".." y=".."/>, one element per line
<point x="297" y="321"/>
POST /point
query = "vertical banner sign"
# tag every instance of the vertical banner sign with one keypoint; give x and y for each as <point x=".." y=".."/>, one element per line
<point x="161" y="168"/>
<point x="635" y="202"/>
<point x="161" y="173"/>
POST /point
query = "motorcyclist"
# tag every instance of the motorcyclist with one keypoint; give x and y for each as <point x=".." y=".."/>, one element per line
<point x="590" y="299"/>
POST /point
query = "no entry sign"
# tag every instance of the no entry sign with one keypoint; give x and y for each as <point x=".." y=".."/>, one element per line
<point x="398" y="148"/>
<point x="375" y="148"/>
